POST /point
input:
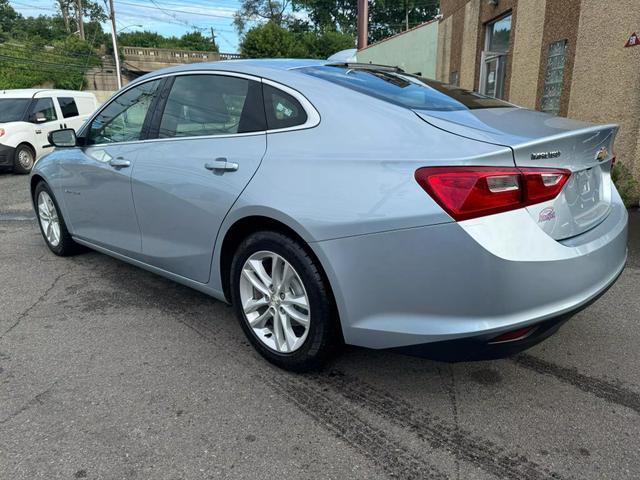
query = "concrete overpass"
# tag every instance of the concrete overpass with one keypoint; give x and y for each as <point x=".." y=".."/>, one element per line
<point x="139" y="60"/>
<point x="144" y="60"/>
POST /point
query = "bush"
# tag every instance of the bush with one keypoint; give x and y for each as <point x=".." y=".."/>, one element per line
<point x="273" y="41"/>
<point x="626" y="185"/>
<point x="268" y="41"/>
<point x="30" y="65"/>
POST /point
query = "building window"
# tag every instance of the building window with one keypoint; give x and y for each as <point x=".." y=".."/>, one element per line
<point x="554" y="77"/>
<point x="494" y="57"/>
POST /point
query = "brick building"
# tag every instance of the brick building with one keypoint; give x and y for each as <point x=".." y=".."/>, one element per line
<point x="565" y="57"/>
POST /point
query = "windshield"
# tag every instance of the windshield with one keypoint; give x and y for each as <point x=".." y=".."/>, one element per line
<point x="13" y="109"/>
<point x="411" y="91"/>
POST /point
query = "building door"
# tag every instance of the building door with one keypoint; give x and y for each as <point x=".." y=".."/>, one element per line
<point x="494" y="57"/>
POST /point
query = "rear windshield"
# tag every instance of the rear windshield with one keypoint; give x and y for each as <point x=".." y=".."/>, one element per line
<point x="403" y="89"/>
<point x="13" y="109"/>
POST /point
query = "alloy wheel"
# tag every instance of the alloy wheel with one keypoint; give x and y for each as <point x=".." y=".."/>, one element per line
<point x="49" y="220"/>
<point x="275" y="302"/>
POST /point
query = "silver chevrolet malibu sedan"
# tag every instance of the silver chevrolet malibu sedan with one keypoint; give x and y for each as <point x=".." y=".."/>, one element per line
<point x="337" y="203"/>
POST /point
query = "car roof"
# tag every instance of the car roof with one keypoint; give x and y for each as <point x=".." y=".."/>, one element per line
<point x="32" y="92"/>
<point x="269" y="68"/>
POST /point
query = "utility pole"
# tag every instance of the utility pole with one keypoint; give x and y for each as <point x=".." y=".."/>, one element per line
<point x="79" y="19"/>
<point x="213" y="38"/>
<point x="114" y="39"/>
<point x="406" y="13"/>
<point x="363" y="23"/>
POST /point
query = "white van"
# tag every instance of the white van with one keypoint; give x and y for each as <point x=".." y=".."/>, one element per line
<point x="27" y="116"/>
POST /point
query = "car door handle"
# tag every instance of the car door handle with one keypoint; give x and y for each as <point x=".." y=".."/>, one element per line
<point x="221" y="165"/>
<point x="119" y="162"/>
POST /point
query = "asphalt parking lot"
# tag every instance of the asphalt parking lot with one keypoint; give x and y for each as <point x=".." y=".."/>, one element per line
<point x="110" y="372"/>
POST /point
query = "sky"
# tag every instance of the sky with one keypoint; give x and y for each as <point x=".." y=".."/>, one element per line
<point x="168" y="17"/>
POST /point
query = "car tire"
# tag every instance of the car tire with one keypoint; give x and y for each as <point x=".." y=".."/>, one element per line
<point x="302" y="348"/>
<point x="52" y="224"/>
<point x="24" y="158"/>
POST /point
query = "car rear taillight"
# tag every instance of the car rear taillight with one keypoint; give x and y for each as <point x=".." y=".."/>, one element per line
<point x="1" y="132"/>
<point x="470" y="192"/>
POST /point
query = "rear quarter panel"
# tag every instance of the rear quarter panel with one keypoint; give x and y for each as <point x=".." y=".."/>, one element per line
<point x="353" y="174"/>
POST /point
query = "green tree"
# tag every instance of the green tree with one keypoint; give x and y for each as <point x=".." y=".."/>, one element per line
<point x="300" y="41"/>
<point x="329" y="42"/>
<point x="386" y="17"/>
<point x="196" y="41"/>
<point x="270" y="41"/>
<point x="8" y="16"/>
<point x="90" y="9"/>
<point x="142" y="39"/>
<point x="337" y="15"/>
<point x="189" y="41"/>
<point x="261" y="11"/>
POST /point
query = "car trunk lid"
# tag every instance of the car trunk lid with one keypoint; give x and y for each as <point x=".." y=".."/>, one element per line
<point x="541" y="140"/>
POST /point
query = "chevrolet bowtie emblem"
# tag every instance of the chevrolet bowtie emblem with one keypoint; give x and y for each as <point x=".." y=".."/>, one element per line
<point x="602" y="154"/>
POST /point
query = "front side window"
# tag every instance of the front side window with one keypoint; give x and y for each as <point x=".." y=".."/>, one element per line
<point x="123" y="119"/>
<point x="13" y="109"/>
<point x="283" y="110"/>
<point x="403" y="89"/>
<point x="68" y="107"/>
<point x="43" y="111"/>
<point x="203" y="105"/>
<point x="554" y="77"/>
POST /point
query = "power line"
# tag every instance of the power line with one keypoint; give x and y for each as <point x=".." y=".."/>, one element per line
<point x="56" y="53"/>
<point x="41" y="62"/>
<point x="161" y="8"/>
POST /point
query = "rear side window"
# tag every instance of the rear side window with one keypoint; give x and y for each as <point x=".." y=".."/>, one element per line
<point x="68" y="107"/>
<point x="43" y="111"/>
<point x="403" y="89"/>
<point x="282" y="109"/>
<point x="203" y="105"/>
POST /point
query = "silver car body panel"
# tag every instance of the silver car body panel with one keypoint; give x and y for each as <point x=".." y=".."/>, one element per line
<point x="403" y="272"/>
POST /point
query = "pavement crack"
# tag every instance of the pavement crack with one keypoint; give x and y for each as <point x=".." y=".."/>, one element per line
<point x="450" y="387"/>
<point x="38" y="399"/>
<point x="600" y="388"/>
<point x="29" y="309"/>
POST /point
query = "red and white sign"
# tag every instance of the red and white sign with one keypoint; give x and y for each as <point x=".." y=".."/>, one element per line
<point x="633" y="41"/>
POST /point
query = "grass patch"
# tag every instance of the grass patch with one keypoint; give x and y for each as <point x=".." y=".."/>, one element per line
<point x="626" y="184"/>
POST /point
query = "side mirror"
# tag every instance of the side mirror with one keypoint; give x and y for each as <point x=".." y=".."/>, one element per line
<point x="63" y="138"/>
<point x="38" y="117"/>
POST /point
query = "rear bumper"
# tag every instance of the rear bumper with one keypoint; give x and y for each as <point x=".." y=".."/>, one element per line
<point x="482" y="347"/>
<point x="441" y="283"/>
<point x="6" y="155"/>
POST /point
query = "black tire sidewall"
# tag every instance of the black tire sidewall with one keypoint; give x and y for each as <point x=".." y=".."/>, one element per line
<point x="17" y="167"/>
<point x="321" y="338"/>
<point x="66" y="246"/>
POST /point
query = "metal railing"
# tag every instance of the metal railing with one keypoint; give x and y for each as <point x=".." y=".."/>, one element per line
<point x="171" y="55"/>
